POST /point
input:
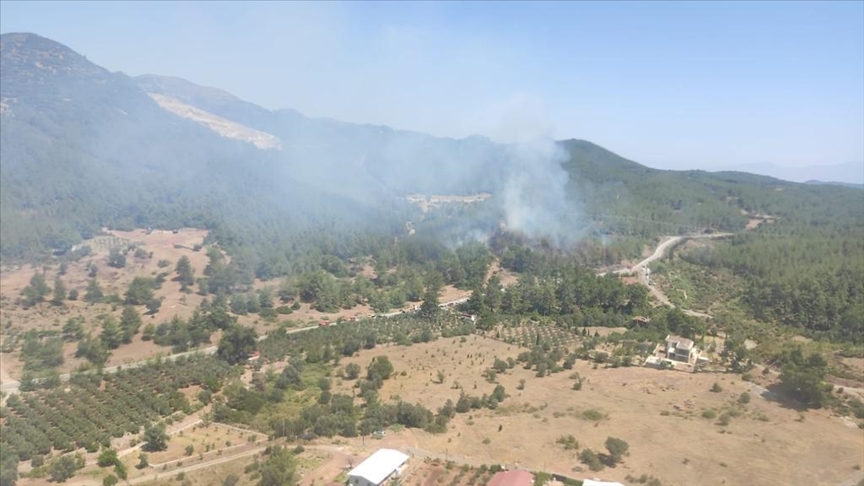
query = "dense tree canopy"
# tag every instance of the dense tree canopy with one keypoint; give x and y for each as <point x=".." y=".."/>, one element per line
<point x="237" y="344"/>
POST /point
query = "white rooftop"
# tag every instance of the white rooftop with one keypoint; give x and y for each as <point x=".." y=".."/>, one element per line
<point x="379" y="465"/>
<point x="679" y="342"/>
<point x="594" y="482"/>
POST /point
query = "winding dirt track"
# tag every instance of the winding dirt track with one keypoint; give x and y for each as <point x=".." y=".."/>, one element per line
<point x="662" y="249"/>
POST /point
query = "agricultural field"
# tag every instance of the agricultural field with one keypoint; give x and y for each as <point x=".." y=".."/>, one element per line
<point x="92" y="412"/>
<point x="529" y="333"/>
<point x="199" y="444"/>
<point x="644" y="407"/>
<point x="436" y="472"/>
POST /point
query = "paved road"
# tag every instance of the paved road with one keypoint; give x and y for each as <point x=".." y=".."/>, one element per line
<point x="665" y="245"/>
<point x="660" y="252"/>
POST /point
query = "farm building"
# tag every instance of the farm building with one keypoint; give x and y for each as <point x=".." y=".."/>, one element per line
<point x="378" y="468"/>
<point x="516" y="477"/>
<point x="681" y="349"/>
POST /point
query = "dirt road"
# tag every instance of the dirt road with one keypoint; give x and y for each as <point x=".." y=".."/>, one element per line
<point x="641" y="269"/>
<point x="173" y="473"/>
<point x="12" y="386"/>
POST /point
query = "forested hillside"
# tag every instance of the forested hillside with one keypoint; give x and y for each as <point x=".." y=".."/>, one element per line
<point x="804" y="270"/>
<point x="83" y="149"/>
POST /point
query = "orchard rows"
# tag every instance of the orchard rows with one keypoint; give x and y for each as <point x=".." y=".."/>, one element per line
<point x="93" y="409"/>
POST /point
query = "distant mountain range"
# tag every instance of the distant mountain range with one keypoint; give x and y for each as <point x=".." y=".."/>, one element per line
<point x="83" y="148"/>
<point x="834" y="183"/>
<point x="848" y="173"/>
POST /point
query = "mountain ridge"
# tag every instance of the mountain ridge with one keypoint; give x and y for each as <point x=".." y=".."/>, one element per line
<point x="90" y="149"/>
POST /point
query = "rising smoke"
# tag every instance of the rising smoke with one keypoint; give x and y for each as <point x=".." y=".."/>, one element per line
<point x="534" y="195"/>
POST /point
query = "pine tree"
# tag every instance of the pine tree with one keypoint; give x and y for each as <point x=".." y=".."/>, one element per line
<point x="130" y="322"/>
<point x="94" y="292"/>
<point x="185" y="273"/>
<point x="59" y="292"/>
<point x="36" y="291"/>
<point x="140" y="291"/>
<point x="112" y="334"/>
<point x="429" y="307"/>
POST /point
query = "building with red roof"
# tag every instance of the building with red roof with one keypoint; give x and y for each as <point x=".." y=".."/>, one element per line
<point x="516" y="477"/>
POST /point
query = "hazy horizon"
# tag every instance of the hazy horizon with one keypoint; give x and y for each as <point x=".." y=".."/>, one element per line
<point x="713" y="86"/>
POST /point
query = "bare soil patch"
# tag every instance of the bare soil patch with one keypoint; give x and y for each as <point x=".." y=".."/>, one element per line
<point x="427" y="202"/>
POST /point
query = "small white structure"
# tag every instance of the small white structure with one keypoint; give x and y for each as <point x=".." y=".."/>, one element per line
<point x="378" y="468"/>
<point x="595" y="482"/>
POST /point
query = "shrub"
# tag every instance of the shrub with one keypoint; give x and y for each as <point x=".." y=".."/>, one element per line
<point x="352" y="371"/>
<point x="709" y="414"/>
<point x="744" y="398"/>
<point x="591" y="459"/>
<point x="568" y="441"/>
<point x="716" y="388"/>
<point x="857" y="407"/>
<point x="592" y="414"/>
<point x="107" y="458"/>
<point x="617" y="448"/>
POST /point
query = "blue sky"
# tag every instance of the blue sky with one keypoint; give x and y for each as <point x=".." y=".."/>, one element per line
<point x="672" y="84"/>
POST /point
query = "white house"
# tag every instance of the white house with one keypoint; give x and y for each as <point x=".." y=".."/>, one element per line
<point x="378" y="468"/>
<point x="681" y="349"/>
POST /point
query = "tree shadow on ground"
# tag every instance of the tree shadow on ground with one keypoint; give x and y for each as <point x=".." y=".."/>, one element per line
<point x="776" y="394"/>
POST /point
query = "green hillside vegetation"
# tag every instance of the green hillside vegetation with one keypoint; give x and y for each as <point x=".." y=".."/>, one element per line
<point x="334" y="197"/>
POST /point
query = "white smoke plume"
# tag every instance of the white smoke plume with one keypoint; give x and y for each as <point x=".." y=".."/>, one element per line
<point x="534" y="194"/>
<point x="534" y="197"/>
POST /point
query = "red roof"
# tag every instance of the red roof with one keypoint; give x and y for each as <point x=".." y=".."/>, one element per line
<point x="516" y="477"/>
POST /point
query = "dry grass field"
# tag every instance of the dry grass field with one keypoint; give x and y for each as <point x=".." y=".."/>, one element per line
<point x="213" y="447"/>
<point x="659" y="413"/>
<point x="164" y="245"/>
